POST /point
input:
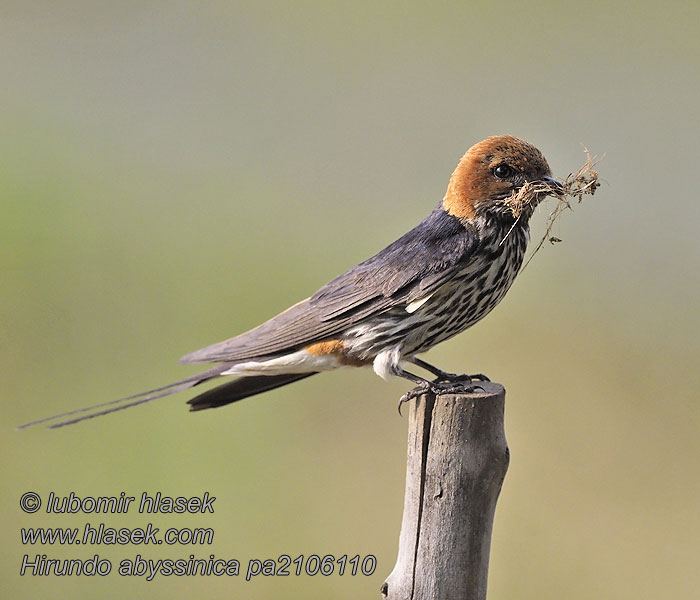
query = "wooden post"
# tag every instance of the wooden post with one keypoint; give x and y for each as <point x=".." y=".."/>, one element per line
<point x="457" y="460"/>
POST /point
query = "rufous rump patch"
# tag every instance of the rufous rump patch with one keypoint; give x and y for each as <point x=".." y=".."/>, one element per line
<point x="337" y="349"/>
<point x="327" y="347"/>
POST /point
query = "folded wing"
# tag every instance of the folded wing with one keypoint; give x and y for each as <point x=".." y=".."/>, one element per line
<point x="407" y="270"/>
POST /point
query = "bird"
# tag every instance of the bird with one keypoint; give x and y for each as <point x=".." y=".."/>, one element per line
<point x="432" y="283"/>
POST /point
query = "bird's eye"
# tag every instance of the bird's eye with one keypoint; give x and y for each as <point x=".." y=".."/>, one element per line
<point x="502" y="171"/>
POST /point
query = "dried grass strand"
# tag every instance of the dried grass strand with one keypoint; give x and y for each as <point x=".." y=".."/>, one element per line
<point x="576" y="185"/>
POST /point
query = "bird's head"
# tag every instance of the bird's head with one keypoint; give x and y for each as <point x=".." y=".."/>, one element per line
<point x="491" y="173"/>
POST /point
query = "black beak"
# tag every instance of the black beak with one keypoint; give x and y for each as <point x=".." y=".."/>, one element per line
<point x="555" y="184"/>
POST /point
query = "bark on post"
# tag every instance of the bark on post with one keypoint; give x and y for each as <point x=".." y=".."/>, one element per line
<point x="457" y="460"/>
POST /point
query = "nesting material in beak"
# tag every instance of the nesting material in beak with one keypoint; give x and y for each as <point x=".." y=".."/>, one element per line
<point x="576" y="185"/>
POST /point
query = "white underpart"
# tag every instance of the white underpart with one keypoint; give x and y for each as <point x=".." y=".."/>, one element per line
<point x="386" y="362"/>
<point x="296" y="362"/>
<point x="416" y="304"/>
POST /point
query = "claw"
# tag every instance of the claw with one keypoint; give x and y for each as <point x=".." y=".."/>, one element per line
<point x="403" y="399"/>
<point x="414" y="393"/>
<point x="480" y="377"/>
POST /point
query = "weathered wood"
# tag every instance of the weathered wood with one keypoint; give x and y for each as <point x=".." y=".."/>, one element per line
<point x="457" y="460"/>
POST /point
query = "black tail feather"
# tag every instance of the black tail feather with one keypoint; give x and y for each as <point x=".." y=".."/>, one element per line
<point x="242" y="388"/>
<point x="122" y="403"/>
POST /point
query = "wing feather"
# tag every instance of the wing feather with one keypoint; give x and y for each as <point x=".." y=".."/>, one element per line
<point x="412" y="267"/>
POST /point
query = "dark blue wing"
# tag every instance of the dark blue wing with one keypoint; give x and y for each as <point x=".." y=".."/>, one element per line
<point x="412" y="267"/>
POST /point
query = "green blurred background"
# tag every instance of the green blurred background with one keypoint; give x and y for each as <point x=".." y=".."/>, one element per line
<point x="174" y="173"/>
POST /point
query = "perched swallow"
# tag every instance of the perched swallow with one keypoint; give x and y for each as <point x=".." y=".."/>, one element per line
<point x="435" y="281"/>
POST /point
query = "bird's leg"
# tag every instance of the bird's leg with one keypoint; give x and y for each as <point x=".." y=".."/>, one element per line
<point x="441" y="375"/>
<point x="422" y="387"/>
<point x="435" y="387"/>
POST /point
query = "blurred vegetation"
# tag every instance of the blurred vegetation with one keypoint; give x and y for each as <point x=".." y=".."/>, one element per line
<point x="171" y="175"/>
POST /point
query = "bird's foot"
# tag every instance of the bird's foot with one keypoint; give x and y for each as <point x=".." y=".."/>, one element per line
<point x="461" y="385"/>
<point x="444" y="376"/>
<point x="419" y="390"/>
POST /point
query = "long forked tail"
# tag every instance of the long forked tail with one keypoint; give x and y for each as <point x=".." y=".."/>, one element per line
<point x="104" y="408"/>
<point x="242" y="388"/>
